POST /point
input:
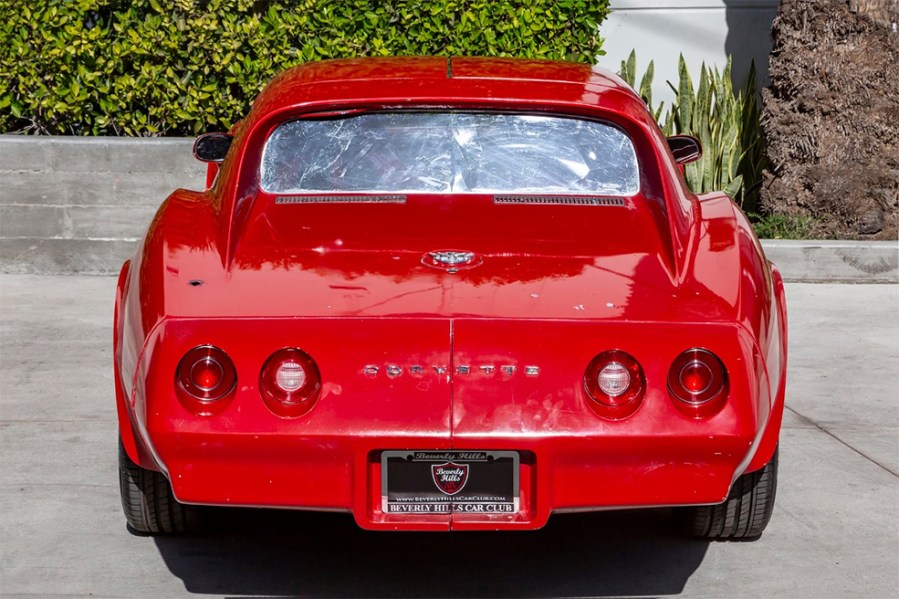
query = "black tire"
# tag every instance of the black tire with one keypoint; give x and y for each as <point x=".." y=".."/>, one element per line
<point x="743" y="515"/>
<point x="148" y="502"/>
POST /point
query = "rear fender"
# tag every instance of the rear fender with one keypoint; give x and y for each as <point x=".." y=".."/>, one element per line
<point x="771" y="436"/>
<point x="135" y="449"/>
<point x="126" y="431"/>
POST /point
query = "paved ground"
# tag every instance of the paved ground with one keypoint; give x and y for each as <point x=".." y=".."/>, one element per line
<point x="835" y="531"/>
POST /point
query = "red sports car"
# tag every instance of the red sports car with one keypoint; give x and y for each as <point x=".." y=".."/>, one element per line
<point x="449" y="294"/>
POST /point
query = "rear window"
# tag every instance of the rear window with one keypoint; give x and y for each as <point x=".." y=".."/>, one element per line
<point x="427" y="152"/>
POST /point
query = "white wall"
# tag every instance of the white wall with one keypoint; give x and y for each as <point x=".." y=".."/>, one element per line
<point x="702" y="30"/>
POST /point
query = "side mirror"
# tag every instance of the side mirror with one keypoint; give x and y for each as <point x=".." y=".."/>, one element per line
<point x="212" y="147"/>
<point x="685" y="148"/>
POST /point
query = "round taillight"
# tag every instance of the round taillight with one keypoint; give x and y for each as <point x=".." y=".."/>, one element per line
<point x="289" y="382"/>
<point x="697" y="377"/>
<point x="206" y="373"/>
<point x="615" y="381"/>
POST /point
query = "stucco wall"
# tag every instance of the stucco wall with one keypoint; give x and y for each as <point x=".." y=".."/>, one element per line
<point x="702" y="30"/>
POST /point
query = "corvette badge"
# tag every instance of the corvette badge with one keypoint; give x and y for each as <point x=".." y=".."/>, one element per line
<point x="451" y="260"/>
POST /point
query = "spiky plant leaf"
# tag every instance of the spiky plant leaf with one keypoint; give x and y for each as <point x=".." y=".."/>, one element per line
<point x="684" y="96"/>
<point x="628" y="70"/>
<point x="646" y="84"/>
<point x="701" y="104"/>
<point x="734" y="186"/>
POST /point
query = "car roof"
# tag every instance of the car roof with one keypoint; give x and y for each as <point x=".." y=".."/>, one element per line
<point x="399" y="81"/>
<point x="452" y="67"/>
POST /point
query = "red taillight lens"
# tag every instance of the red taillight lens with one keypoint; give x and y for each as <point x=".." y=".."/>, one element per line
<point x="615" y="381"/>
<point x="697" y="377"/>
<point x="206" y="373"/>
<point x="290" y="383"/>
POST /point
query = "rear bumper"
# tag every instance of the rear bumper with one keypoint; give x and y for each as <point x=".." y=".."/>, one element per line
<point x="555" y="474"/>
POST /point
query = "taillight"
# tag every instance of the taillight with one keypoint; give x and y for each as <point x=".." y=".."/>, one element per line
<point x="698" y="380"/>
<point x="615" y="382"/>
<point x="206" y="373"/>
<point x="289" y="382"/>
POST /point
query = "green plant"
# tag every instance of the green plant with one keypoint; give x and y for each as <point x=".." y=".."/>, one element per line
<point x="712" y="114"/>
<point x="726" y="124"/>
<point x="628" y="72"/>
<point x="176" y="67"/>
<point x="753" y="162"/>
<point x="781" y="226"/>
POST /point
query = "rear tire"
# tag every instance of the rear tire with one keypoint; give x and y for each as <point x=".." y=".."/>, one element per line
<point x="743" y="515"/>
<point x="148" y="502"/>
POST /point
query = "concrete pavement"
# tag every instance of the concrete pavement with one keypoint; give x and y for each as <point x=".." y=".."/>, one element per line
<point x="835" y="530"/>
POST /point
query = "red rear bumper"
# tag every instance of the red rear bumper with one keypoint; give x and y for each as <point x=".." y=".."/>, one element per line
<point x="556" y="474"/>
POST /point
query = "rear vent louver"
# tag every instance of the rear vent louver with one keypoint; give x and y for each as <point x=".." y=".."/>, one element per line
<point x="559" y="200"/>
<point x="342" y="199"/>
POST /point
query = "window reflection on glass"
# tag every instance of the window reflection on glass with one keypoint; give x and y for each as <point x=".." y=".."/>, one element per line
<point x="428" y="152"/>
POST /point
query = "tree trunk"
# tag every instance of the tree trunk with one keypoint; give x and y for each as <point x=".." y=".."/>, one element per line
<point x="831" y="117"/>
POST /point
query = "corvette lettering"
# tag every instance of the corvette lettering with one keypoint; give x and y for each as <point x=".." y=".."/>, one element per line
<point x="417" y="370"/>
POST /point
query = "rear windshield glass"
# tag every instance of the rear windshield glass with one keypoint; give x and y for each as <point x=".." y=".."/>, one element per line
<point x="427" y="152"/>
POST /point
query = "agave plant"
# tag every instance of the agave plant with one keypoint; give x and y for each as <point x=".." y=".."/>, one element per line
<point x="628" y="72"/>
<point x="725" y="122"/>
<point x="753" y="161"/>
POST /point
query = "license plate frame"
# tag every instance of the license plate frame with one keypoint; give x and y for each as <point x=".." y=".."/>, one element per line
<point x="444" y="482"/>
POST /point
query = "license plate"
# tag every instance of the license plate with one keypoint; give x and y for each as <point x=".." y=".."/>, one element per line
<point x="444" y="482"/>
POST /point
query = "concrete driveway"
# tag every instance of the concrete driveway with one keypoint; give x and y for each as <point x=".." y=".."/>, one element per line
<point x="835" y="530"/>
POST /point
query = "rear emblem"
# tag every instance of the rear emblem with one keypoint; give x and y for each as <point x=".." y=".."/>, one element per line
<point x="451" y="260"/>
<point x="450" y="477"/>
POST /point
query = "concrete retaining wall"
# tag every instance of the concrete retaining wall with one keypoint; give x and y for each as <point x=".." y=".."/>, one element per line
<point x="820" y="261"/>
<point x="80" y="205"/>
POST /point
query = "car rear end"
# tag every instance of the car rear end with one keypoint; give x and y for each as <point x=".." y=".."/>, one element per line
<point x="528" y="422"/>
<point x="466" y="329"/>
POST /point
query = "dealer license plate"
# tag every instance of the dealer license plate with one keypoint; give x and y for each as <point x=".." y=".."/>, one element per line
<point x="444" y="482"/>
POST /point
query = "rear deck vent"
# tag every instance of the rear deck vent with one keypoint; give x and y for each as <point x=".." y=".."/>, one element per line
<point x="342" y="199"/>
<point x="559" y="200"/>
